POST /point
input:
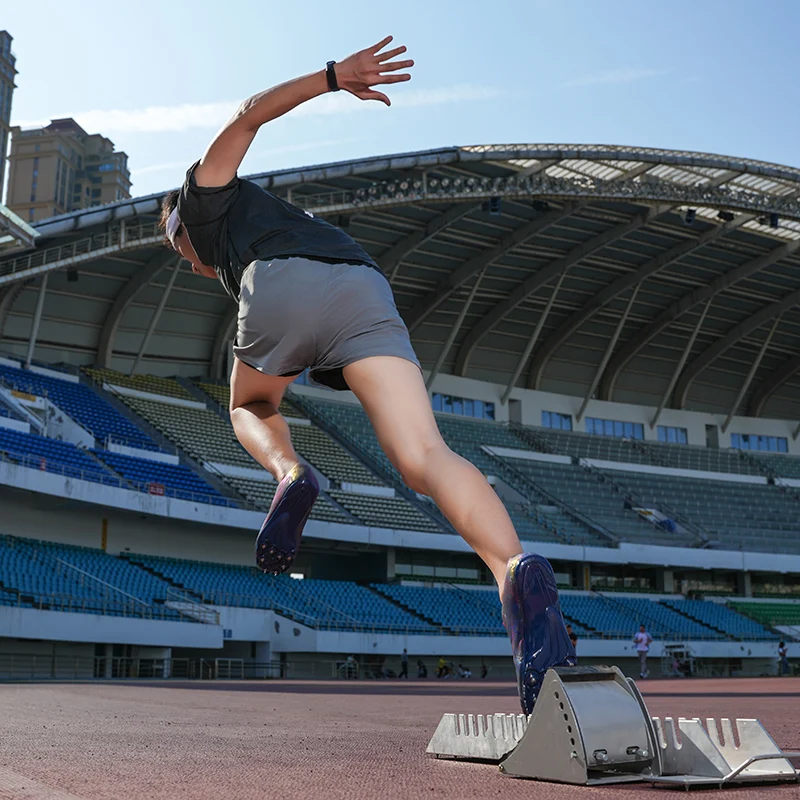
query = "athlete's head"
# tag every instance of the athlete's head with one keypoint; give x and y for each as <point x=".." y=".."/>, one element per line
<point x="175" y="236"/>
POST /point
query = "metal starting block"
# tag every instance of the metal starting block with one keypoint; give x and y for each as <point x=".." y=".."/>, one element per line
<point x="590" y="726"/>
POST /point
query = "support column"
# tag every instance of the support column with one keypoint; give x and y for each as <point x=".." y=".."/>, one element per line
<point x="108" y="661"/>
<point x="681" y="364"/>
<point x="526" y="353"/>
<point x="749" y="379"/>
<point x="37" y="318"/>
<point x="156" y="316"/>
<point x="607" y="355"/>
<point x="391" y="562"/>
<point x="454" y="332"/>
<point x="745" y="584"/>
<point x="585" y="576"/>
<point x="263" y="657"/>
<point x="666" y="581"/>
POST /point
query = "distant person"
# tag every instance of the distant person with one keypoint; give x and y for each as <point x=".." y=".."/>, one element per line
<point x="442" y="670"/>
<point x="422" y="670"/>
<point x="403" y="665"/>
<point x="783" y="659"/>
<point x="573" y="637"/>
<point x="643" y="640"/>
<point x="677" y="670"/>
<point x="484" y="671"/>
<point x="464" y="672"/>
<point x="351" y="667"/>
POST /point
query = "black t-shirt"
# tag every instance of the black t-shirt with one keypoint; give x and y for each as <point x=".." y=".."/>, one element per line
<point x="233" y="225"/>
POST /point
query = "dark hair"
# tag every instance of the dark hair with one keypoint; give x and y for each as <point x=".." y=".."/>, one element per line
<point x="168" y="205"/>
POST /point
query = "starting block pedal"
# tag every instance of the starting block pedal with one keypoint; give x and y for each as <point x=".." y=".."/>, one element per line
<point x="590" y="726"/>
<point x="703" y="758"/>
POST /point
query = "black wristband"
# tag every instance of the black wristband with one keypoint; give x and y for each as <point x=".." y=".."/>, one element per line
<point x="330" y="74"/>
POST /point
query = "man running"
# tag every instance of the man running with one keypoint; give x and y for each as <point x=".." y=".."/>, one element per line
<point x="310" y="297"/>
<point x="643" y="640"/>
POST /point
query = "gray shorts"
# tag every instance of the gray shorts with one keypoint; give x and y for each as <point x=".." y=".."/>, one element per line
<point x="296" y="313"/>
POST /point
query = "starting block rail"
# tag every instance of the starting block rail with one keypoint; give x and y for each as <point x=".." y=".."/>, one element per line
<point x="590" y="726"/>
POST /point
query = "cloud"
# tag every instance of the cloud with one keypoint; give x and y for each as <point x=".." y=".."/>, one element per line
<point x="614" y="77"/>
<point x="168" y="166"/>
<point x="189" y="116"/>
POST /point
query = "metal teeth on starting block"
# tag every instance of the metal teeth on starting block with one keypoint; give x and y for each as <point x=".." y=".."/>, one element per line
<point x="487" y="737"/>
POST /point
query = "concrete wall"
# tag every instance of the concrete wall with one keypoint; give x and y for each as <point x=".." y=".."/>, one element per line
<point x="29" y="623"/>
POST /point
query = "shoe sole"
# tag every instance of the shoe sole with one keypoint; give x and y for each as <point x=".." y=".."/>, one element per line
<point x="278" y="540"/>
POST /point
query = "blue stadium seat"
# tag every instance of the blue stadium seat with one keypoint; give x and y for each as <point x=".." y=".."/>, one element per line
<point x="81" y="403"/>
<point x="42" y="574"/>
<point x="319" y="603"/>
<point x="177" y="480"/>
<point x="49" y="455"/>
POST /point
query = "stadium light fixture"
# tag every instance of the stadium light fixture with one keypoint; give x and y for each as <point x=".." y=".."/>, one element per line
<point x="541" y="205"/>
<point x="726" y="216"/>
<point x="773" y="220"/>
<point x="689" y="219"/>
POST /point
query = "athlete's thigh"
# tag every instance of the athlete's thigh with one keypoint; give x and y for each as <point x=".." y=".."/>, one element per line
<point x="248" y="385"/>
<point x="393" y="394"/>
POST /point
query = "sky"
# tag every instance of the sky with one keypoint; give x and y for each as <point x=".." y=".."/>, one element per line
<point x="159" y="78"/>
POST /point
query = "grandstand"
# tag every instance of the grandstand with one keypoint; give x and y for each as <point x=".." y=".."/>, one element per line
<point x="624" y="373"/>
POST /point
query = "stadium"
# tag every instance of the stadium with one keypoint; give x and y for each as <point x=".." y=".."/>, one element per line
<point x="608" y="333"/>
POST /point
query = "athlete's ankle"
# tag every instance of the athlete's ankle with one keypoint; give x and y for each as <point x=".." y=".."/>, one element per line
<point x="285" y="468"/>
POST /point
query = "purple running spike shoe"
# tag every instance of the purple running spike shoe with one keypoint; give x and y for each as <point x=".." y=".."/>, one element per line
<point x="278" y="540"/>
<point x="532" y="617"/>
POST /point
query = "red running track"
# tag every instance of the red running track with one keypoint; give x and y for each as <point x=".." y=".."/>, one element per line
<point x="297" y="739"/>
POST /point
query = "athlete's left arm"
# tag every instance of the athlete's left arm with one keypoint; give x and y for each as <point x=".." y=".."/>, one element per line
<point x="357" y="74"/>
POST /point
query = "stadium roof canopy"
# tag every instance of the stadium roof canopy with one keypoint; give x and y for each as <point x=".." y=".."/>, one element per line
<point x="629" y="274"/>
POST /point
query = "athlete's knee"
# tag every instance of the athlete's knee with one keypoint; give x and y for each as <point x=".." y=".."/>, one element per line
<point x="416" y="463"/>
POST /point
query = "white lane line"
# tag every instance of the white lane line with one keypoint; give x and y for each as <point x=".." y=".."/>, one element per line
<point x="14" y="786"/>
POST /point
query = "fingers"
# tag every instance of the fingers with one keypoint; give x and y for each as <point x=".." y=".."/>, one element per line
<point x="373" y="95"/>
<point x="381" y="44"/>
<point x="391" y="53"/>
<point x="395" y="65"/>
<point x="391" y="79"/>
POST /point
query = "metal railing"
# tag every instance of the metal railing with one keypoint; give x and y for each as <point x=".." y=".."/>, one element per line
<point x="601" y="475"/>
<point x="335" y="620"/>
<point x="525" y="484"/>
<point x="138" y="444"/>
<point x="46" y="464"/>
<point x="27" y="666"/>
<point x="135" y="609"/>
<point x="49" y="258"/>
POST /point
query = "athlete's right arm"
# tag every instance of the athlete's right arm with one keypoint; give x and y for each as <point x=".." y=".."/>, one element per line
<point x="356" y="74"/>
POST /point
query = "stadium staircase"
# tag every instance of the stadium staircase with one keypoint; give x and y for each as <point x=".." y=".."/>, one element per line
<point x="648" y="452"/>
<point x="603" y="478"/>
<point x="594" y="533"/>
<point x="95" y="380"/>
<point x="714" y="628"/>
<point x="394" y="601"/>
<point x="197" y="597"/>
<point x="768" y="469"/>
<point x="639" y="616"/>
<point x="318" y="415"/>
<point x="212" y="395"/>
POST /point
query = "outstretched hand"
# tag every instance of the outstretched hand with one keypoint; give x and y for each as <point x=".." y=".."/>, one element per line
<point x="360" y="72"/>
